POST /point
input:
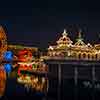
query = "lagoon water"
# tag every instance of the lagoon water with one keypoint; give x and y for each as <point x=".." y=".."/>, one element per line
<point x="67" y="90"/>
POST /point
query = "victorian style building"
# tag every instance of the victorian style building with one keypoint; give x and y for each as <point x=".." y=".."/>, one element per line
<point x="65" y="48"/>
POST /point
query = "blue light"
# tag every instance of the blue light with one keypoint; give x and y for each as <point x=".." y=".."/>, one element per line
<point x="8" y="55"/>
<point x="8" y="67"/>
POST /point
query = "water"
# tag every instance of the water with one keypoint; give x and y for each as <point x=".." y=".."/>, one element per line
<point x="52" y="90"/>
<point x="66" y="91"/>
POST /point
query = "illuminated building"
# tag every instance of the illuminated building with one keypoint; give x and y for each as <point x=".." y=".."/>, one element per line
<point x="77" y="62"/>
<point x="17" y="48"/>
<point x="28" y="63"/>
<point x="66" y="49"/>
<point x="3" y="42"/>
<point x="25" y="55"/>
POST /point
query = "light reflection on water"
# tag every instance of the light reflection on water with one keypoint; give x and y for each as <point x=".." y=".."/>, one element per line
<point x="10" y="83"/>
<point x="2" y="81"/>
<point x="13" y="85"/>
<point x="34" y="82"/>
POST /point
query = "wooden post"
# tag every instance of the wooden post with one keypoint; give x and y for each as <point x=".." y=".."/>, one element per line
<point x="76" y="81"/>
<point x="93" y="81"/>
<point x="59" y="81"/>
<point x="76" y="75"/>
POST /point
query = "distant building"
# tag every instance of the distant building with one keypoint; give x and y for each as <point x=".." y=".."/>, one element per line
<point x="17" y="48"/>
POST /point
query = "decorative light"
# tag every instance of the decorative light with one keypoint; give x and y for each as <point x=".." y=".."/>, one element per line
<point x="50" y="48"/>
<point x="64" y="33"/>
<point x="99" y="51"/>
<point x="36" y="80"/>
<point x="69" y="53"/>
<point x="69" y="45"/>
<point x="88" y="44"/>
<point x="8" y="55"/>
<point x="25" y="55"/>
<point x="8" y="67"/>
<point x="26" y="63"/>
<point x="34" y="66"/>
<point x="43" y="80"/>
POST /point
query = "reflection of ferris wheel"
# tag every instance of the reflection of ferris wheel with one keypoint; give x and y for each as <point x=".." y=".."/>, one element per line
<point x="3" y="42"/>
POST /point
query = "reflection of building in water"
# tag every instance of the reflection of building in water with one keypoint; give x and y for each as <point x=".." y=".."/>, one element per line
<point x="35" y="82"/>
<point x="2" y="81"/>
<point x="3" y="42"/>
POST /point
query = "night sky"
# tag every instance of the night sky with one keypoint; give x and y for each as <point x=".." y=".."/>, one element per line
<point x="39" y="23"/>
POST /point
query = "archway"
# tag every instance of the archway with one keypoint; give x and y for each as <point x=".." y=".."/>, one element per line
<point x="89" y="56"/>
<point x="79" y="55"/>
<point x="84" y="55"/>
<point x="96" y="56"/>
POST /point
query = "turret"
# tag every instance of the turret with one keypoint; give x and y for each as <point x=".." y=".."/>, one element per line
<point x="64" y="40"/>
<point x="79" y="40"/>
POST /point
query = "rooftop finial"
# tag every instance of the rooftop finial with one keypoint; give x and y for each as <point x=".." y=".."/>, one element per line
<point x="64" y="30"/>
<point x="79" y="34"/>
<point x="64" y="33"/>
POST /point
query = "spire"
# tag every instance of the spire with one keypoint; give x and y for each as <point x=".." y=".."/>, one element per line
<point x="79" y="39"/>
<point x="64" y="33"/>
<point x="80" y="35"/>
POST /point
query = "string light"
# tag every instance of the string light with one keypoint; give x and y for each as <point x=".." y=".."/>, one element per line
<point x="78" y="50"/>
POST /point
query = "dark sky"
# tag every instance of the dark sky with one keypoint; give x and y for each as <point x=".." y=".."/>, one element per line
<point x="40" y="22"/>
